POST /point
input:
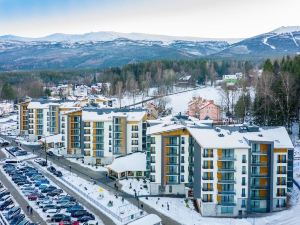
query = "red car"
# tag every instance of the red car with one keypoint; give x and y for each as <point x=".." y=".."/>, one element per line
<point x="32" y="197"/>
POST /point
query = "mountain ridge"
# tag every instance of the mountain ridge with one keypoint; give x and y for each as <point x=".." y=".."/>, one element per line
<point x="110" y="49"/>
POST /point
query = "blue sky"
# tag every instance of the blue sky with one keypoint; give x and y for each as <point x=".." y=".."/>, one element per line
<point x="201" y="18"/>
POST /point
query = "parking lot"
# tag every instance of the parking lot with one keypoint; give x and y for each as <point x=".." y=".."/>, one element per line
<point x="11" y="212"/>
<point x="50" y="201"/>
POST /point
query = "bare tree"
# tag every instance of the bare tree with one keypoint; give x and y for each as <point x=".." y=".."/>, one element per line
<point x="119" y="92"/>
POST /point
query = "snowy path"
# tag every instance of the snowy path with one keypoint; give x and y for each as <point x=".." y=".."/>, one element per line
<point x="265" y="41"/>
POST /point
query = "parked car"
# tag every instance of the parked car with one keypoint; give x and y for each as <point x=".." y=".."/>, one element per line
<point x="32" y="197"/>
<point x="60" y="217"/>
<point x="51" y="169"/>
<point x="50" y="153"/>
<point x="57" y="173"/>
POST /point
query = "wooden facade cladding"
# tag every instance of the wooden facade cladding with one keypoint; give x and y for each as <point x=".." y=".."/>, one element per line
<point x="280" y="150"/>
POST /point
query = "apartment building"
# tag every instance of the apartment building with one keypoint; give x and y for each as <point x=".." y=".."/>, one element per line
<point x="230" y="171"/>
<point x="39" y="118"/>
<point x="101" y="134"/>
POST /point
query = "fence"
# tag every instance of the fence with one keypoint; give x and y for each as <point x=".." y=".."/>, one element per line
<point x="123" y="220"/>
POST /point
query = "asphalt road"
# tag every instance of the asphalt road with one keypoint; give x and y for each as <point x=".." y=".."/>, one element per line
<point x="34" y="217"/>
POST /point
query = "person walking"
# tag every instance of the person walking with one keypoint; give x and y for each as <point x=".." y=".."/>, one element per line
<point x="31" y="210"/>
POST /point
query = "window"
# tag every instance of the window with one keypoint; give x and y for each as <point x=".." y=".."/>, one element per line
<point x="135" y="142"/>
<point x="139" y="173"/>
<point x="244" y="159"/>
<point x="152" y="140"/>
<point x="182" y="159"/>
<point x="244" y="170"/>
<point x="243" y="181"/>
<point x="243" y="203"/>
<point x="207" y="198"/>
<point x="134" y="135"/>
<point x="182" y="169"/>
<point x="182" y="140"/>
<point x="109" y="127"/>
<point x="182" y="150"/>
<point x="135" y="128"/>
<point x="152" y="150"/>
<point x="243" y="192"/>
<point x="226" y="210"/>
<point x="170" y="188"/>
<point x="182" y="178"/>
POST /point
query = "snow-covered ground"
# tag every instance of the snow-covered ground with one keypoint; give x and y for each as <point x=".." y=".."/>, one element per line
<point x="79" y="161"/>
<point x="141" y="187"/>
<point x="183" y="211"/>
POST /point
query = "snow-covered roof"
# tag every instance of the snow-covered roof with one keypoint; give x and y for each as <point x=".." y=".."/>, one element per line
<point x="147" y="220"/>
<point x="176" y="122"/>
<point x="131" y="162"/>
<point x="278" y="135"/>
<point x="223" y="138"/>
<point x="37" y="105"/>
<point x="210" y="138"/>
<point x="95" y="116"/>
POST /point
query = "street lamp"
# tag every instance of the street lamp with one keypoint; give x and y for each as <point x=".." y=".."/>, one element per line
<point x="45" y="149"/>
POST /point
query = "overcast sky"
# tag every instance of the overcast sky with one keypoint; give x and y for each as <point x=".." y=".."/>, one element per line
<point x="198" y="18"/>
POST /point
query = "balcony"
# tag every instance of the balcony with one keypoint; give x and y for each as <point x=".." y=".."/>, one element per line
<point x="259" y="163"/>
<point x="227" y="181"/>
<point x="207" y="189"/>
<point x="207" y="178"/>
<point x="281" y="171"/>
<point x="259" y="186"/>
<point x="282" y="194"/>
<point x="207" y="167"/>
<point x="226" y="158"/>
<point x="224" y="169"/>
<point x="281" y="183"/>
<point x="259" y="174"/>
<point x="282" y="161"/>
<point x="227" y="192"/>
<point x="172" y="153"/>
<point x="258" y="197"/>
<point x="223" y="203"/>
<point x="207" y="155"/>
<point x="172" y="163"/>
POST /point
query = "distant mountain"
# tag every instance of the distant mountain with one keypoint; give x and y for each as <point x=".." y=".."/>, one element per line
<point x="107" y="49"/>
<point x="282" y="41"/>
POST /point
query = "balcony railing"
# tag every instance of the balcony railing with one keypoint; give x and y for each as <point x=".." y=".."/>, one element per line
<point x="259" y="186"/>
<point x="228" y="181"/>
<point x="207" y="167"/>
<point x="226" y="158"/>
<point x="227" y="192"/>
<point x="283" y="194"/>
<point x="207" y="155"/>
<point x="223" y="169"/>
<point x="258" y="197"/>
<point x="207" y="178"/>
<point x="281" y="171"/>
<point x="259" y="174"/>
<point x="281" y="161"/>
<point x="207" y="189"/>
<point x="227" y="203"/>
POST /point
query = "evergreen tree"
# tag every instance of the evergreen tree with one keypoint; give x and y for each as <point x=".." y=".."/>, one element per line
<point x="8" y="93"/>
